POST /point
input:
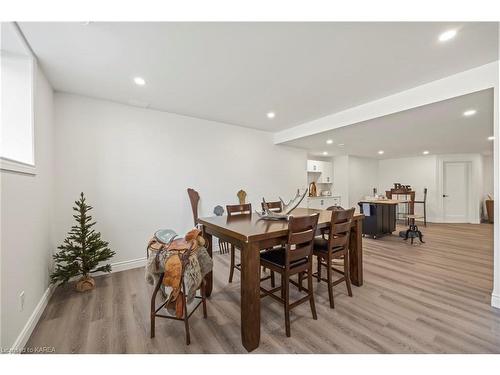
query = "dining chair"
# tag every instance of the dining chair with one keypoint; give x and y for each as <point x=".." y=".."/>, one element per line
<point x="294" y="258"/>
<point x="272" y="206"/>
<point x="233" y="210"/>
<point x="194" y="198"/>
<point x="424" y="203"/>
<point x="335" y="247"/>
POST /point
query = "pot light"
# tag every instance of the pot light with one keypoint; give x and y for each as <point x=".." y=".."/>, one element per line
<point x="139" y="81"/>
<point x="329" y="141"/>
<point x="470" y="112"/>
<point x="491" y="138"/>
<point x="425" y="152"/>
<point x="325" y="153"/>
<point x="447" y="35"/>
<point x="381" y="152"/>
<point x="271" y="115"/>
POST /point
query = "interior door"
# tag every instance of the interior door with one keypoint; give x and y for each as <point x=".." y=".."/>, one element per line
<point x="456" y="192"/>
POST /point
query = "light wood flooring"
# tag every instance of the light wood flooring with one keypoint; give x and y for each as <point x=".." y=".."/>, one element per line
<point x="429" y="298"/>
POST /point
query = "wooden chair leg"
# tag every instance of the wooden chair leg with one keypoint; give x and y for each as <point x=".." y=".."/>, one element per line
<point x="299" y="281"/>
<point x="231" y="271"/>
<point x="425" y="217"/>
<point x="346" y="274"/>
<point x="318" y="259"/>
<point x="186" y="320"/>
<point x="287" y="304"/>
<point x="282" y="286"/>
<point x="273" y="281"/>
<point x="204" y="297"/>
<point x="330" y="286"/>
<point x="153" y="305"/>
<point x="310" y="291"/>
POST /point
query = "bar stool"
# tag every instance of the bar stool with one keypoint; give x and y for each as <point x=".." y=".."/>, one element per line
<point x="233" y="210"/>
<point x="335" y="247"/>
<point x="293" y="258"/>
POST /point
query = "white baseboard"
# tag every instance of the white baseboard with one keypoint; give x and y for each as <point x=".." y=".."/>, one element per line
<point x="495" y="300"/>
<point x="124" y="265"/>
<point x="27" y="330"/>
<point x="25" y="334"/>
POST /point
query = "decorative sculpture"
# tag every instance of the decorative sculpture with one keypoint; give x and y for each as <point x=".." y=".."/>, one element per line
<point x="218" y="210"/>
<point x="286" y="208"/>
<point x="242" y="195"/>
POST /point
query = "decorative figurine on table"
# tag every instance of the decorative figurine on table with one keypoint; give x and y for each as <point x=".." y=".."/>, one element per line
<point x="286" y="208"/>
<point x="242" y="196"/>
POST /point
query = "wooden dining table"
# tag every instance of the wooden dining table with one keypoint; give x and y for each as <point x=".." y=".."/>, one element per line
<point x="250" y="235"/>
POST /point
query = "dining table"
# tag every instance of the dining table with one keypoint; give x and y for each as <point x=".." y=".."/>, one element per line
<point x="250" y="234"/>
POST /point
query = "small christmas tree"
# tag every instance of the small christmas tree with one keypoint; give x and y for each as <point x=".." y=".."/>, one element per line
<point x="82" y="251"/>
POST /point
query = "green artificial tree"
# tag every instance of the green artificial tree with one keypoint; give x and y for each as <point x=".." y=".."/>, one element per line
<point x="82" y="251"/>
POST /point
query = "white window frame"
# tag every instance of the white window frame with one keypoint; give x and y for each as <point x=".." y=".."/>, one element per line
<point x="12" y="165"/>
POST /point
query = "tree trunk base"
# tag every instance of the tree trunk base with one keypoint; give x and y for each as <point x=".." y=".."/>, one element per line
<point x="85" y="283"/>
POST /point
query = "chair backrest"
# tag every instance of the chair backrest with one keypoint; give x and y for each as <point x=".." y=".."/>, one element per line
<point x="239" y="209"/>
<point x="194" y="198"/>
<point x="272" y="206"/>
<point x="340" y="228"/>
<point x="301" y="231"/>
<point x="335" y="208"/>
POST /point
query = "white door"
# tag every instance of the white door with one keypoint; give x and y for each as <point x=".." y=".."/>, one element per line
<point x="456" y="192"/>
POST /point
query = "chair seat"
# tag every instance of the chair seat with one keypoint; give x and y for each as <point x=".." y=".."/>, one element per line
<point x="277" y="257"/>
<point x="321" y="245"/>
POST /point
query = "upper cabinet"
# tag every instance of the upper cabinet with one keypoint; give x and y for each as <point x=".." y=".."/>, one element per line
<point x="314" y="166"/>
<point x="323" y="169"/>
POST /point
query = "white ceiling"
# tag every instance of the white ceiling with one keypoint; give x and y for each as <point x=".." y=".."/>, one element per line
<point x="440" y="128"/>
<point x="237" y="72"/>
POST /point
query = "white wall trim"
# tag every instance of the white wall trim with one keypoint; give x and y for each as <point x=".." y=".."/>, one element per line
<point x="30" y="325"/>
<point x="472" y="80"/>
<point x="16" y="166"/>
<point x="124" y="265"/>
<point x="495" y="300"/>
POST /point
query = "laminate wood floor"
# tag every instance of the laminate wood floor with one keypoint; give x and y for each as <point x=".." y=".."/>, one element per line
<point x="425" y="298"/>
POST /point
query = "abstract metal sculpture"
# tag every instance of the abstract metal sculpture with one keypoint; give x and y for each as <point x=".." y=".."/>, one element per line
<point x="286" y="208"/>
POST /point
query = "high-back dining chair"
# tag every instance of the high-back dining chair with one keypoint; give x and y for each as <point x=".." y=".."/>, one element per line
<point x="194" y="198"/>
<point x="272" y="206"/>
<point x="233" y="210"/>
<point x="295" y="257"/>
<point x="335" y="247"/>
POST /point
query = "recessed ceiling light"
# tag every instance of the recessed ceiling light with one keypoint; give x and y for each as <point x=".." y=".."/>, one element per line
<point x="271" y="115"/>
<point x="447" y="35"/>
<point x="425" y="152"/>
<point x="341" y="144"/>
<point x="139" y="81"/>
<point x="470" y="112"/>
<point x="491" y="138"/>
<point x="381" y="152"/>
<point x="325" y="153"/>
<point x="329" y="141"/>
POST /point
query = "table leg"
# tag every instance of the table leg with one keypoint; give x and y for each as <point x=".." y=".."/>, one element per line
<point x="209" y="278"/>
<point x="356" y="253"/>
<point x="250" y="296"/>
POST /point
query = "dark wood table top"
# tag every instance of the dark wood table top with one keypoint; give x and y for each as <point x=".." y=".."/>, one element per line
<point x="250" y="227"/>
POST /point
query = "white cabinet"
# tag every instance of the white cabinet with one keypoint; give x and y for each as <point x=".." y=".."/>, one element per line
<point x="322" y="203"/>
<point x="326" y="176"/>
<point x="314" y="166"/>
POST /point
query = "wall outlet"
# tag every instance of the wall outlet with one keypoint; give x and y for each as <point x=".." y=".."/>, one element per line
<point x="21" y="301"/>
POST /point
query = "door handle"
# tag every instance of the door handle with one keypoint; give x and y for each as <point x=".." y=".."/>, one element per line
<point x="445" y="195"/>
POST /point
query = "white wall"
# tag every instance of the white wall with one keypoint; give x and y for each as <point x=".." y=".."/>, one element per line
<point x="135" y="165"/>
<point x="488" y="185"/>
<point x="420" y="172"/>
<point x="26" y="217"/>
<point x="341" y="179"/>
<point x="363" y="177"/>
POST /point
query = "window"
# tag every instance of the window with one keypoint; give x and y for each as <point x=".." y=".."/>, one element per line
<point x="16" y="130"/>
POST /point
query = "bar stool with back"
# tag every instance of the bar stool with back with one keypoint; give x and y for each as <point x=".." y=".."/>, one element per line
<point x="335" y="247"/>
<point x="292" y="259"/>
<point x="233" y="210"/>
